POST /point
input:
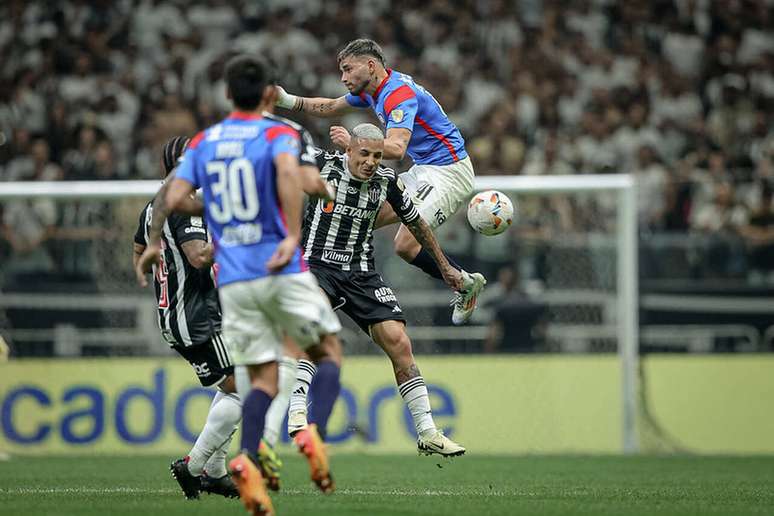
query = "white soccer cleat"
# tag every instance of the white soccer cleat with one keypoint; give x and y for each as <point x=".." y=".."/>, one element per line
<point x="465" y="299"/>
<point x="439" y="444"/>
<point x="296" y="422"/>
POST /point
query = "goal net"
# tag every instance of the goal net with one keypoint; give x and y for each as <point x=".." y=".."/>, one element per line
<point x="571" y="253"/>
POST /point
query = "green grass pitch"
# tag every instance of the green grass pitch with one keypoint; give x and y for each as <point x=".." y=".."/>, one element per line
<point x="371" y="485"/>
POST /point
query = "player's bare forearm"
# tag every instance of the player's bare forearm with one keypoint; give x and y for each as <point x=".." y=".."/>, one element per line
<point x="322" y="107"/>
<point x="138" y="250"/>
<point x="424" y="235"/>
<point x="199" y="253"/>
<point x="159" y="214"/>
<point x="396" y="143"/>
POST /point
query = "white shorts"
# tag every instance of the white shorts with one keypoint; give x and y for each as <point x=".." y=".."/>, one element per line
<point x="257" y="313"/>
<point x="439" y="190"/>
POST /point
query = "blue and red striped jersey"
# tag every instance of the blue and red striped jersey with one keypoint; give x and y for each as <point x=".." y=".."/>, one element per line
<point x="400" y="102"/>
<point x="233" y="163"/>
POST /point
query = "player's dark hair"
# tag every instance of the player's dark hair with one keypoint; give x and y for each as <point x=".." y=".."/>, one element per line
<point x="172" y="151"/>
<point x="362" y="47"/>
<point x="247" y="76"/>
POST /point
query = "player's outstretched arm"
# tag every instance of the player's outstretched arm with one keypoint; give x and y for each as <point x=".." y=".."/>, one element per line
<point x="318" y="106"/>
<point x="151" y="254"/>
<point x="424" y="235"/>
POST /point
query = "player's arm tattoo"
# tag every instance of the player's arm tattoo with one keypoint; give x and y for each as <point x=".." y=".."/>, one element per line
<point x="402" y="375"/>
<point x="321" y="106"/>
<point x="160" y="212"/>
<point x="199" y="253"/>
<point x="424" y="235"/>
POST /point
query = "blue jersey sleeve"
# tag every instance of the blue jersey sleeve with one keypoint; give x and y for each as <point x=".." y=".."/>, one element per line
<point x="400" y="108"/>
<point x="187" y="168"/>
<point x="355" y="101"/>
<point x="283" y="139"/>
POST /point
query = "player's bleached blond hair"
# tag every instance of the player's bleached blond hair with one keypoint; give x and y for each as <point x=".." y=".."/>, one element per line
<point x="367" y="132"/>
<point x="362" y="47"/>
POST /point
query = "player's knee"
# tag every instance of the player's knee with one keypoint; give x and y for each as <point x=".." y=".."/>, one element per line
<point x="398" y="345"/>
<point x="228" y="385"/>
<point x="329" y="348"/>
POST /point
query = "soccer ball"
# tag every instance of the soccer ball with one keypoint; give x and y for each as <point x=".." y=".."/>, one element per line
<point x="490" y="212"/>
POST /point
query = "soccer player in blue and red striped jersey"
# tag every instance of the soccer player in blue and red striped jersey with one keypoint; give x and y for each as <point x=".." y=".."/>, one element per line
<point x="441" y="178"/>
<point x="248" y="169"/>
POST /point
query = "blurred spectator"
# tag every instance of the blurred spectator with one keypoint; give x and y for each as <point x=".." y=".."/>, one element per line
<point x="759" y="232"/>
<point x="516" y="325"/>
<point x="538" y="87"/>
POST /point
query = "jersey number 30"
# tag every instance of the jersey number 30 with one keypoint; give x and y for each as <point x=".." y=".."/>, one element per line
<point x="234" y="183"/>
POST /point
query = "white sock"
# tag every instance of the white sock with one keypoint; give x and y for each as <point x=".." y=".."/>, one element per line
<point x="222" y="419"/>
<point x="306" y="371"/>
<point x="215" y="467"/>
<point x="279" y="405"/>
<point x="414" y="394"/>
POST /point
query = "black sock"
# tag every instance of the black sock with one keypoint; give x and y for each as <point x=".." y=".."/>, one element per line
<point x="425" y="261"/>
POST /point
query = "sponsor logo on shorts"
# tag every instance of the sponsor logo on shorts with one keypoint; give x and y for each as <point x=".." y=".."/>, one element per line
<point x="195" y="230"/>
<point x="202" y="370"/>
<point x="440" y="217"/>
<point x="336" y="256"/>
<point x="385" y="295"/>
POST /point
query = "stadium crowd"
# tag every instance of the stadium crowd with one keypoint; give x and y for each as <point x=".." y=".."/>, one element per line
<point x="678" y="92"/>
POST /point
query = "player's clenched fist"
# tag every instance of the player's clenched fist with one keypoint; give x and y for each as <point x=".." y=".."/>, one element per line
<point x="340" y="136"/>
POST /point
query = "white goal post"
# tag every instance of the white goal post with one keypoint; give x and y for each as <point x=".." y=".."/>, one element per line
<point x="626" y="249"/>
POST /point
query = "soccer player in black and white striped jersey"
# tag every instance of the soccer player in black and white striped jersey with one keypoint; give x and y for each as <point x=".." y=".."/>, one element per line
<point x="190" y="322"/>
<point x="338" y="245"/>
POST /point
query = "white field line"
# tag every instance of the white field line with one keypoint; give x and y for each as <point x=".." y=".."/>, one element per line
<point x="136" y="490"/>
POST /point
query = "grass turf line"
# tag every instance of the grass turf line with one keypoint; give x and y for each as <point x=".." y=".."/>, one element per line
<point x="535" y="485"/>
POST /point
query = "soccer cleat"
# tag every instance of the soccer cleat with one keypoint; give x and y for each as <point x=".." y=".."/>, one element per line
<point x="310" y="444"/>
<point x="190" y="484"/>
<point x="270" y="465"/>
<point x="296" y="422"/>
<point x="249" y="483"/>
<point x="438" y="444"/>
<point x="464" y="300"/>
<point x="223" y="486"/>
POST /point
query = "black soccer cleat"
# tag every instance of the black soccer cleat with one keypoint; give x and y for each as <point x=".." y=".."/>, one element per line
<point x="190" y="484"/>
<point x="223" y="486"/>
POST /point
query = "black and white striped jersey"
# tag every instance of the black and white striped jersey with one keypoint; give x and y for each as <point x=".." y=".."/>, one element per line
<point x="340" y="232"/>
<point x="188" y="305"/>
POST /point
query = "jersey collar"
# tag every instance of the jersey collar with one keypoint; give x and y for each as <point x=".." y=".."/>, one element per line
<point x="382" y="84"/>
<point x="243" y="115"/>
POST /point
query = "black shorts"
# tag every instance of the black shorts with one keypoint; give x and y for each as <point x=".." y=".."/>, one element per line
<point x="363" y="296"/>
<point x="210" y="360"/>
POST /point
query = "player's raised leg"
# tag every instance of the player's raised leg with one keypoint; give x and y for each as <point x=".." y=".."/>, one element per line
<point x="392" y="338"/>
<point x="465" y="299"/>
